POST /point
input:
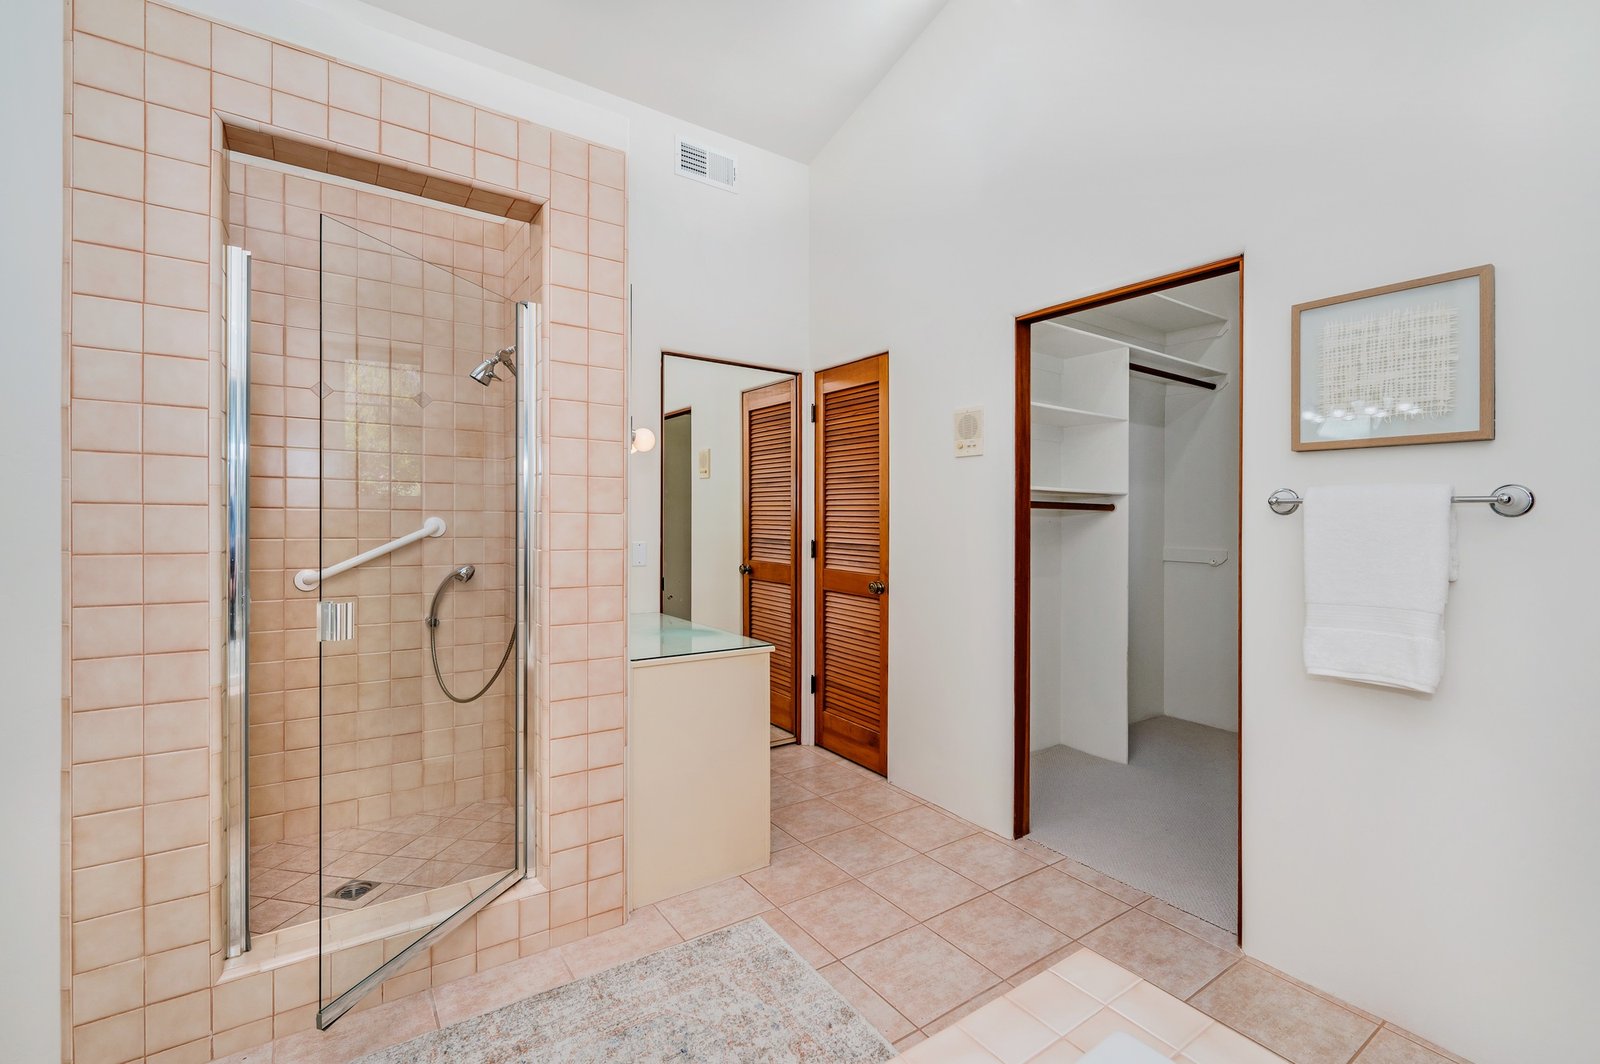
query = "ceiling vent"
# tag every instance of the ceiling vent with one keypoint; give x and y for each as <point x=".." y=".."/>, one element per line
<point x="702" y="164"/>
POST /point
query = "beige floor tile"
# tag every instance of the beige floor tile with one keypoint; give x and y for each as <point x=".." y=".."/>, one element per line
<point x="359" y="1033"/>
<point x="866" y="1001"/>
<point x="786" y="791"/>
<point x="1007" y="1031"/>
<point x="1107" y="1022"/>
<point x="847" y="918"/>
<point x="1290" y="1021"/>
<point x="1096" y="976"/>
<point x="1218" y="1044"/>
<point x="1153" y="949"/>
<point x="1069" y="905"/>
<point x="1063" y="1052"/>
<point x="965" y="1009"/>
<point x="1055" y="1002"/>
<point x="1161" y="1014"/>
<point x="914" y="1038"/>
<point x="1387" y="1047"/>
<point x="922" y="886"/>
<point x="829" y="779"/>
<point x="812" y="819"/>
<point x="795" y="873"/>
<point x="808" y="948"/>
<point x="706" y="909"/>
<point x="1041" y="853"/>
<point x="921" y="974"/>
<point x="794" y="758"/>
<point x="1102" y="882"/>
<point x="781" y="839"/>
<point x="646" y="931"/>
<point x="486" y="991"/>
<point x="986" y="861"/>
<point x="863" y="849"/>
<point x="923" y="828"/>
<point x="873" y="801"/>
<point x="1207" y="932"/>
<point x="997" y="934"/>
<point x="1044" y="964"/>
<point x="952" y="1047"/>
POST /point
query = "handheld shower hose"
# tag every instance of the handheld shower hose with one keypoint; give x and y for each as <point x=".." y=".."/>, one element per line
<point x="462" y="575"/>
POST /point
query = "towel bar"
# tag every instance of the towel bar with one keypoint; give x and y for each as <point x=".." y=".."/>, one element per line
<point x="1508" y="500"/>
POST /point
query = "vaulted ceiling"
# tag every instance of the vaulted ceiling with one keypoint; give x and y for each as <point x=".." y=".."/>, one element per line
<point x="780" y="74"/>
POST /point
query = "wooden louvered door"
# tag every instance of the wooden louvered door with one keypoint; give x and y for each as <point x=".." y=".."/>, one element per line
<point x="852" y="708"/>
<point x="771" y="516"/>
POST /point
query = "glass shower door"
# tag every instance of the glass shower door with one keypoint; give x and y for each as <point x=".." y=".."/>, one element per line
<point x="419" y="624"/>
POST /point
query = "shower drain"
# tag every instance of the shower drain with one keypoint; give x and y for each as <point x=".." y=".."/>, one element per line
<point x="352" y="890"/>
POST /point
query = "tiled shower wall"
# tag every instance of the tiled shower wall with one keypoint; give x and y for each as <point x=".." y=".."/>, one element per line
<point x="148" y="88"/>
<point x="406" y="436"/>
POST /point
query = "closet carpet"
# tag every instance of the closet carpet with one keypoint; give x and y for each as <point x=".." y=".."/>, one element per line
<point x="1166" y="822"/>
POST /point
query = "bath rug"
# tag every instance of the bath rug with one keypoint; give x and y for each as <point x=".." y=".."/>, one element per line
<point x="738" y="994"/>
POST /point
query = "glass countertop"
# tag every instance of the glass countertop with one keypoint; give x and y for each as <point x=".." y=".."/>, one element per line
<point x="652" y="636"/>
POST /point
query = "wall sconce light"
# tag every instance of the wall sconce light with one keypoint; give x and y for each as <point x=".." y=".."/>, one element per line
<point x="640" y="440"/>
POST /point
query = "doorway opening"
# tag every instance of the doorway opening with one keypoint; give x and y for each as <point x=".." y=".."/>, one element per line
<point x="730" y="510"/>
<point x="1128" y="508"/>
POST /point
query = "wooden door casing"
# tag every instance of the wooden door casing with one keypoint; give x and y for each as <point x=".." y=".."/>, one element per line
<point x="852" y="564"/>
<point x="770" y="519"/>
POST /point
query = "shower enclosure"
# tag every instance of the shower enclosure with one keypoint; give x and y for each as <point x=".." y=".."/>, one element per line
<point x="380" y="594"/>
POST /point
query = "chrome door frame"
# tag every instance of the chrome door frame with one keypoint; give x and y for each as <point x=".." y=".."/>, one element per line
<point x="236" y="667"/>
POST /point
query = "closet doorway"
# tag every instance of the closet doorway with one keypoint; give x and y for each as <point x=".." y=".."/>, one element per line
<point x="1127" y="594"/>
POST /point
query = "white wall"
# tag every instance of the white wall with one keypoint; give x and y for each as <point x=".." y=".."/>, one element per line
<point x="715" y="393"/>
<point x="712" y="272"/>
<point x="30" y="455"/>
<point x="1431" y="859"/>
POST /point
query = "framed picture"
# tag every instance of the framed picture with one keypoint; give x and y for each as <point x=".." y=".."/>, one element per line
<point x="1406" y="363"/>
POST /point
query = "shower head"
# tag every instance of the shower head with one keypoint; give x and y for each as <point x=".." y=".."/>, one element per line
<point x="464" y="573"/>
<point x="485" y="371"/>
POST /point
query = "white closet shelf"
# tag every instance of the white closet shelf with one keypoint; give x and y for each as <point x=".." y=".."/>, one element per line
<point x="1072" y="493"/>
<point x="1080" y="341"/>
<point x="1068" y="416"/>
<point x="1150" y="358"/>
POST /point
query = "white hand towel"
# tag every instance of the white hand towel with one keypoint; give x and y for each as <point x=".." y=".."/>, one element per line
<point x="1379" y="560"/>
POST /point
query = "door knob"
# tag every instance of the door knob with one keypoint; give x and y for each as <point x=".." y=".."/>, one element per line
<point x="877" y="587"/>
<point x="745" y="568"/>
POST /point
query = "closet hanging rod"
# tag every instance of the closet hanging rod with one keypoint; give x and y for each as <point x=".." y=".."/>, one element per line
<point x="1134" y="367"/>
<point x="1508" y="500"/>
<point x="1093" y="507"/>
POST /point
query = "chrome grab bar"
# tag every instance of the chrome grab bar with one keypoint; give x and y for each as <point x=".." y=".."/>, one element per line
<point x="308" y="579"/>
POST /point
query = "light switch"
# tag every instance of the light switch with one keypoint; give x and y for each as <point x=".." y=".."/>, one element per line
<point x="641" y="554"/>
<point x="705" y="464"/>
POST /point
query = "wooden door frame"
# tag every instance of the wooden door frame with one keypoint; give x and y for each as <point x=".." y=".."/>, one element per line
<point x="1023" y="528"/>
<point x="794" y="547"/>
<point x="817" y="541"/>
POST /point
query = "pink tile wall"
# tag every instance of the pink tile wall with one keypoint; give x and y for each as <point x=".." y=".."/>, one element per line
<point x="144" y="976"/>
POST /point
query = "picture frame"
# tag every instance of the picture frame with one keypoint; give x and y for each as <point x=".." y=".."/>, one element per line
<point x="1406" y="363"/>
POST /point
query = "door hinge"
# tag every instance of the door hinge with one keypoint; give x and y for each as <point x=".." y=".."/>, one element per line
<point x="813" y="683"/>
<point x="813" y="548"/>
<point x="813" y="413"/>
<point x="663" y="583"/>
